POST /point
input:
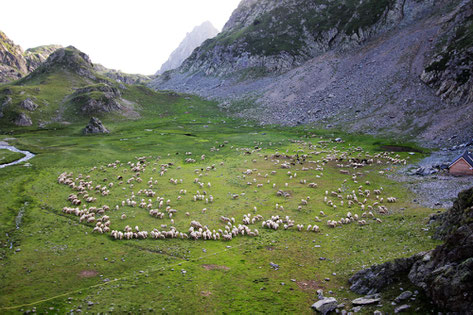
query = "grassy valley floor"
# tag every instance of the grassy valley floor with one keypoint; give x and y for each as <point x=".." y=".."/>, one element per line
<point x="51" y="262"/>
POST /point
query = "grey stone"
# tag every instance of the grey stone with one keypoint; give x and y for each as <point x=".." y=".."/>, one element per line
<point x="402" y="308"/>
<point x="23" y="120"/>
<point x="369" y="299"/>
<point x="28" y="104"/>
<point x="403" y="296"/>
<point x="325" y="305"/>
<point x="95" y="126"/>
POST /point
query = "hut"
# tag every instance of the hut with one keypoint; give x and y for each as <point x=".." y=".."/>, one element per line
<point x="462" y="165"/>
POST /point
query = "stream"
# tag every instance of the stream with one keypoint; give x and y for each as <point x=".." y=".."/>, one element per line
<point x="28" y="155"/>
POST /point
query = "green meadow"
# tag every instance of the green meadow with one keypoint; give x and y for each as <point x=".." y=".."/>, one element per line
<point x="52" y="263"/>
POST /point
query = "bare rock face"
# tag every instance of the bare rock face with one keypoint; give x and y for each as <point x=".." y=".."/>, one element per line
<point x="28" y="104"/>
<point x="95" y="126"/>
<point x="445" y="273"/>
<point x="192" y="40"/>
<point x="450" y="71"/>
<point x="372" y="280"/>
<point x="12" y="63"/>
<point x="23" y="120"/>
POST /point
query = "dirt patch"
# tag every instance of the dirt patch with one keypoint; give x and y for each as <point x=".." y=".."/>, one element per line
<point x="399" y="148"/>
<point x="309" y="285"/>
<point x="214" y="267"/>
<point x="88" y="273"/>
<point x="205" y="293"/>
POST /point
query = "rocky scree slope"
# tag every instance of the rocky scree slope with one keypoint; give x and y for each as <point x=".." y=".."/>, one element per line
<point x="67" y="88"/>
<point x="445" y="273"/>
<point x="16" y="63"/>
<point x="347" y="64"/>
<point x="192" y="40"/>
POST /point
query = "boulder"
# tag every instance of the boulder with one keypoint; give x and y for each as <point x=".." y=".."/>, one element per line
<point x="325" y="305"/>
<point x="28" y="104"/>
<point x="403" y="296"/>
<point x="23" y="120"/>
<point x="95" y="126"/>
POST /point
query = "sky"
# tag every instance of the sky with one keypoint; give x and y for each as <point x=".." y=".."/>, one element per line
<point x="134" y="36"/>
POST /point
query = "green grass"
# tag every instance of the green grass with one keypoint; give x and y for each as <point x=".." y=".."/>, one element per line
<point x="7" y="156"/>
<point x="56" y="248"/>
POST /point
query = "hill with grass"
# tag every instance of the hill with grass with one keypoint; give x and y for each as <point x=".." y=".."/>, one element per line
<point x="390" y="67"/>
<point x="68" y="87"/>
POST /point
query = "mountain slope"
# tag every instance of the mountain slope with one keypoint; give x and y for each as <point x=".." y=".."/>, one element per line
<point x="192" y="40"/>
<point x="13" y="64"/>
<point x="67" y="88"/>
<point x="338" y="67"/>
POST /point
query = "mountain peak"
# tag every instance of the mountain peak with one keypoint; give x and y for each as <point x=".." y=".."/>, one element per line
<point x="192" y="40"/>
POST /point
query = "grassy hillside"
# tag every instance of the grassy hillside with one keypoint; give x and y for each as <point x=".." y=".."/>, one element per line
<point x="52" y="87"/>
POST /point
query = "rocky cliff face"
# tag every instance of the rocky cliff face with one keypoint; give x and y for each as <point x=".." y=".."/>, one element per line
<point x="354" y="65"/>
<point x="450" y="70"/>
<point x="15" y="63"/>
<point x="445" y="273"/>
<point x="192" y="40"/>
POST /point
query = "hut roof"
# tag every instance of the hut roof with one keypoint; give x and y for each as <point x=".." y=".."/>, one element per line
<point x="466" y="156"/>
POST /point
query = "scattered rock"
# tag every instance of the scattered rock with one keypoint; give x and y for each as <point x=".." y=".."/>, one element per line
<point x="95" y="126"/>
<point x="369" y="299"/>
<point x="28" y="104"/>
<point x="356" y="309"/>
<point x="274" y="266"/>
<point x="402" y="308"/>
<point x="325" y="305"/>
<point x="403" y="296"/>
<point x="23" y="120"/>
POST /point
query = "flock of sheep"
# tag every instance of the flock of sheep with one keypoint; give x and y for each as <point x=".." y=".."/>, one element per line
<point x="138" y="181"/>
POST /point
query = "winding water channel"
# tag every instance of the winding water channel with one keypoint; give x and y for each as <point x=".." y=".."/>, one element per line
<point x="28" y="155"/>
